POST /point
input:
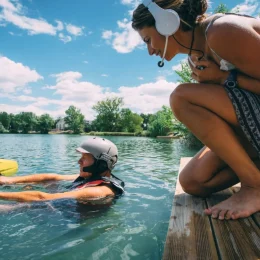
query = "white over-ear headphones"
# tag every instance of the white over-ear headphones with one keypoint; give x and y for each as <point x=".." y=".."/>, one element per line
<point x="167" y="21"/>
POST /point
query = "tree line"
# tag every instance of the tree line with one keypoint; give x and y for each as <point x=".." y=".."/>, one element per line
<point x="111" y="117"/>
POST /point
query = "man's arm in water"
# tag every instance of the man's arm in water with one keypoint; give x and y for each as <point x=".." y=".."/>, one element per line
<point x="43" y="177"/>
<point x="80" y="195"/>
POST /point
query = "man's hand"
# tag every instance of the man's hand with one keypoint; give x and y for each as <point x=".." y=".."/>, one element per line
<point x="5" y="180"/>
<point x="210" y="74"/>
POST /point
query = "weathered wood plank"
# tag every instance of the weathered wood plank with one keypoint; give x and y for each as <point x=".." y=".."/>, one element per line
<point x="189" y="233"/>
<point x="236" y="239"/>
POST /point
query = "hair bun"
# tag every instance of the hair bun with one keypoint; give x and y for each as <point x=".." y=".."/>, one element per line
<point x="192" y="12"/>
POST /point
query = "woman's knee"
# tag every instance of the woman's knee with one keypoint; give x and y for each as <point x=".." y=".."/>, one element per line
<point x="192" y="186"/>
<point x="177" y="99"/>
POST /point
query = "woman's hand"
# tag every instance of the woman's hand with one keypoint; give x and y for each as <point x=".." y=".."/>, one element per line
<point x="210" y="73"/>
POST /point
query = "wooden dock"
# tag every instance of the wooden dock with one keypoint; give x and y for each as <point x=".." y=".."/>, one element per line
<point x="193" y="235"/>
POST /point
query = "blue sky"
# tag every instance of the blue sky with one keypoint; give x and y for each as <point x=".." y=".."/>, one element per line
<point x="57" y="53"/>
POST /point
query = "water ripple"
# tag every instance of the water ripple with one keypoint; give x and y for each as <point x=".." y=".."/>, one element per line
<point x="132" y="227"/>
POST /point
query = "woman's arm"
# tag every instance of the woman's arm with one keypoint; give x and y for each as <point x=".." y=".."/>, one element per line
<point x="36" y="178"/>
<point x="81" y="195"/>
<point x="248" y="83"/>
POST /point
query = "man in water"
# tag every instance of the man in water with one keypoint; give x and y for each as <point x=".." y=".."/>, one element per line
<point x="95" y="181"/>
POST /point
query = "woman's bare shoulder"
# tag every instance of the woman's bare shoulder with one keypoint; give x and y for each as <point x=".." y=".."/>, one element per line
<point x="230" y="24"/>
<point x="236" y="39"/>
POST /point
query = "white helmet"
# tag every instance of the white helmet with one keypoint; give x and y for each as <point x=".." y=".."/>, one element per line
<point x="101" y="149"/>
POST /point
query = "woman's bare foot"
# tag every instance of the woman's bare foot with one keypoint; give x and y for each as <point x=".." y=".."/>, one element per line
<point x="241" y="205"/>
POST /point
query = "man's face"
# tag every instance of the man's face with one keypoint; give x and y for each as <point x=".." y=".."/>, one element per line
<point x="86" y="159"/>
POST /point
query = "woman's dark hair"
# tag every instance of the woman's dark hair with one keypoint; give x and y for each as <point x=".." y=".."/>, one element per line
<point x="191" y="12"/>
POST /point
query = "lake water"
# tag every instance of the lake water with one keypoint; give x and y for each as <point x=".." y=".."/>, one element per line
<point x="133" y="227"/>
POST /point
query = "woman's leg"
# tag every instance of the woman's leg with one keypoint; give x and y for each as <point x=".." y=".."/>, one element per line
<point x="208" y="112"/>
<point x="205" y="174"/>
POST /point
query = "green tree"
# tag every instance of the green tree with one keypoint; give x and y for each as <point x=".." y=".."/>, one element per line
<point x="27" y="121"/>
<point x="2" y="129"/>
<point x="129" y="121"/>
<point x="45" y="123"/>
<point x="74" y="119"/>
<point x="221" y="8"/>
<point x="161" y="123"/>
<point x="108" y="114"/>
<point x="146" y="118"/>
<point x="88" y="126"/>
<point x="15" y="122"/>
<point x="185" y="73"/>
<point x="5" y="119"/>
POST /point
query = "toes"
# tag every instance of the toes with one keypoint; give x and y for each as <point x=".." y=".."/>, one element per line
<point x="240" y="214"/>
<point x="229" y="214"/>
<point x="208" y="211"/>
<point x="235" y="215"/>
<point x="222" y="214"/>
<point x="215" y="213"/>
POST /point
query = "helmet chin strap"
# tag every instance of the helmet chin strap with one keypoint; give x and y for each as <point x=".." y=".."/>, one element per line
<point x="94" y="170"/>
<point x="161" y="63"/>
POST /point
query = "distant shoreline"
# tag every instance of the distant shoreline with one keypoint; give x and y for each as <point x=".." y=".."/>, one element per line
<point x="100" y="134"/>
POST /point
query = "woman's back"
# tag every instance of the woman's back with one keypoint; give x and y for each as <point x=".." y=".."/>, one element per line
<point x="218" y="21"/>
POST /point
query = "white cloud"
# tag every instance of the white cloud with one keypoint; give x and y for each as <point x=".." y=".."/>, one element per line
<point x="15" y="109"/>
<point x="6" y="4"/>
<point x="12" y="12"/>
<point x="15" y="75"/>
<point x="164" y="73"/>
<point x="27" y="91"/>
<point x="60" y="26"/>
<point x="249" y="7"/>
<point x="15" y="34"/>
<point x="85" y="61"/>
<point x="159" y="78"/>
<point x="69" y="86"/>
<point x="178" y="66"/>
<point x="107" y="35"/>
<point x="33" y="26"/>
<point x="140" y="78"/>
<point x="126" y="2"/>
<point x="65" y="38"/>
<point x="71" y="89"/>
<point x="147" y="98"/>
<point x="132" y="3"/>
<point x="74" y="30"/>
<point x="104" y="75"/>
<point x="124" y="41"/>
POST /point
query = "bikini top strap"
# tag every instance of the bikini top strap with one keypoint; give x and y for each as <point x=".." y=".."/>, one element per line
<point x="214" y="19"/>
<point x="206" y="31"/>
